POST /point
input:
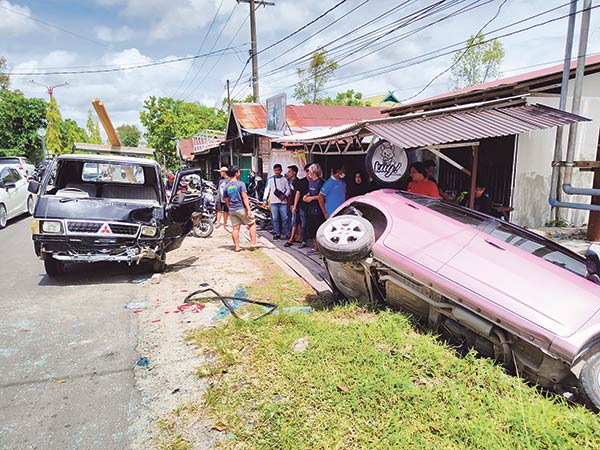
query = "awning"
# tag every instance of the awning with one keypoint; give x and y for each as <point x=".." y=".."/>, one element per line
<point x="470" y="125"/>
<point x="463" y="123"/>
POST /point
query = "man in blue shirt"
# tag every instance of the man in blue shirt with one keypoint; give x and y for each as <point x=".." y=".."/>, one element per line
<point x="333" y="192"/>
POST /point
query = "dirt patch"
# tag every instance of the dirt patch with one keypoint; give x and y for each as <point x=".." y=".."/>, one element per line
<point x="169" y="386"/>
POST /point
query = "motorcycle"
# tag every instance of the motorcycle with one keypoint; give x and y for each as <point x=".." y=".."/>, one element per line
<point x="261" y="212"/>
<point x="256" y="185"/>
<point x="204" y="216"/>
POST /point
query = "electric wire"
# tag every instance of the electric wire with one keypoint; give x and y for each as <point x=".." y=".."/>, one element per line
<point x="53" y="26"/>
<point x="199" y="48"/>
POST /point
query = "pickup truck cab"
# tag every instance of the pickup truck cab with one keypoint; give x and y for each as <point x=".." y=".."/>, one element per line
<point x="94" y="208"/>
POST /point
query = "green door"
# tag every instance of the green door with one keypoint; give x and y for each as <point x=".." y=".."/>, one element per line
<point x="245" y="167"/>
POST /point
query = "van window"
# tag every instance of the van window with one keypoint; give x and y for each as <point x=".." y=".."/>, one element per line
<point x="539" y="247"/>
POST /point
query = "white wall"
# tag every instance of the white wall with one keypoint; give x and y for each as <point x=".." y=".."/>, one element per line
<point x="535" y="151"/>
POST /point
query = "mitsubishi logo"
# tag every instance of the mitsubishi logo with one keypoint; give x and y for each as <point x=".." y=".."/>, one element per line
<point x="105" y="229"/>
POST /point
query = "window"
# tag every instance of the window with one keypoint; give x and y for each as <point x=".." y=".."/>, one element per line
<point x="112" y="173"/>
<point x="462" y="215"/>
<point x="539" y="247"/>
<point x="9" y="175"/>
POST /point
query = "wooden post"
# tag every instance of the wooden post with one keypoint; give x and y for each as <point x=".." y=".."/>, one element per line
<point x="593" y="229"/>
<point x="473" y="176"/>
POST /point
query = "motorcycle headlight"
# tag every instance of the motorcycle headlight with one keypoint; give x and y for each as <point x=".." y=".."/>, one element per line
<point x="148" y="231"/>
<point x="52" y="227"/>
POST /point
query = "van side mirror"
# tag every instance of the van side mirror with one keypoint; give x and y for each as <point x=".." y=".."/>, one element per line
<point x="34" y="186"/>
<point x="592" y="263"/>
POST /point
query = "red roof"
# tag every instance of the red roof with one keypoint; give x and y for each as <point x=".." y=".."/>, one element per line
<point x="186" y="148"/>
<point x="254" y="116"/>
<point x="490" y="85"/>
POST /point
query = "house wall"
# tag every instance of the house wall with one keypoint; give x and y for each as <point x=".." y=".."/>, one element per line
<point x="534" y="155"/>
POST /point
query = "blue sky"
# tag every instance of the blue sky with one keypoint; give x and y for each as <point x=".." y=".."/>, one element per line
<point x="106" y="34"/>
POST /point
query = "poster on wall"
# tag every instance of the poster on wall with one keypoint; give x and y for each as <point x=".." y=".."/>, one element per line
<point x="276" y="113"/>
<point x="287" y="158"/>
<point x="386" y="162"/>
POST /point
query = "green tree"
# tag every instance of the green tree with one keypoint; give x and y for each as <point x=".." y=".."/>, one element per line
<point x="93" y="130"/>
<point x="129" y="135"/>
<point x="478" y="63"/>
<point x="54" y="139"/>
<point x="4" y="77"/>
<point x="70" y="132"/>
<point x="313" y="79"/>
<point x="20" y="119"/>
<point x="166" y="119"/>
<point x="348" y="98"/>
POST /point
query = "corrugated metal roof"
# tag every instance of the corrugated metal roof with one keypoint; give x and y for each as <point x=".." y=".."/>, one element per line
<point x="253" y="116"/>
<point x="460" y="123"/>
<point x="469" y="125"/>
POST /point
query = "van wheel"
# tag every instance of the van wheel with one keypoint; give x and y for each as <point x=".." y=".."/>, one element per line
<point x="346" y="238"/>
<point x="54" y="267"/>
<point x="589" y="381"/>
<point x="30" y="205"/>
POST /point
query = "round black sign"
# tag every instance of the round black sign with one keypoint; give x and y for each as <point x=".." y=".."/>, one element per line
<point x="386" y="162"/>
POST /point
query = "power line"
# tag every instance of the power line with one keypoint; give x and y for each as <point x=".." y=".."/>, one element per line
<point x="461" y="56"/>
<point x="392" y="67"/>
<point x="302" y="28"/>
<point x="122" y="69"/>
<point x="199" y="48"/>
<point x="186" y="91"/>
<point x="53" y="26"/>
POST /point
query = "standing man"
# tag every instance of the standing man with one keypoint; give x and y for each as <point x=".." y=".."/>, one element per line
<point x="294" y="202"/>
<point x="237" y="202"/>
<point x="333" y="192"/>
<point x="220" y="205"/>
<point x="277" y="192"/>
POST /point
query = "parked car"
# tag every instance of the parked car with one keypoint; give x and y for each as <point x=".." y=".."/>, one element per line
<point x="107" y="208"/>
<point x="23" y="164"/>
<point x="14" y="197"/>
<point x="482" y="282"/>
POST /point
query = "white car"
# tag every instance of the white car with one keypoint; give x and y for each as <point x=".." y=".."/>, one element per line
<point x="15" y="199"/>
<point x="25" y="166"/>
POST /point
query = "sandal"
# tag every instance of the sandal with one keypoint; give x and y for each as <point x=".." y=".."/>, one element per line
<point x="288" y="244"/>
<point x="237" y="250"/>
<point x="303" y="245"/>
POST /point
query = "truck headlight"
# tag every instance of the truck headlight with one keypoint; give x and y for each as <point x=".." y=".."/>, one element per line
<point x="51" y="226"/>
<point x="148" y="231"/>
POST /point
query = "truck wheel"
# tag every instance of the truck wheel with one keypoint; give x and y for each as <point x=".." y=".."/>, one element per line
<point x="203" y="229"/>
<point x="589" y="381"/>
<point x="54" y="267"/>
<point x="346" y="238"/>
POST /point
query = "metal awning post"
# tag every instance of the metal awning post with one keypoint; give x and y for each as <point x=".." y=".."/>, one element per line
<point x="475" y="148"/>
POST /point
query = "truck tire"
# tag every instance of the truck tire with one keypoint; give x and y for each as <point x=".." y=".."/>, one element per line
<point x="589" y="381"/>
<point x="160" y="265"/>
<point x="346" y="238"/>
<point x="54" y="267"/>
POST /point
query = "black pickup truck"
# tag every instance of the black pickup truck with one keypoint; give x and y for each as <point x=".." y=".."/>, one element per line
<point x="94" y="208"/>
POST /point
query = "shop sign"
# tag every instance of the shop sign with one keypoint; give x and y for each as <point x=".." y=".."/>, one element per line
<point x="386" y="162"/>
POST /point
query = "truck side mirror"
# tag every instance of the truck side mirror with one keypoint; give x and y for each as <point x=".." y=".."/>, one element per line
<point x="592" y="263"/>
<point x="34" y="186"/>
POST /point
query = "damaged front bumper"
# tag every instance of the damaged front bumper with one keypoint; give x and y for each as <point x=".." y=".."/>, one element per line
<point x="82" y="250"/>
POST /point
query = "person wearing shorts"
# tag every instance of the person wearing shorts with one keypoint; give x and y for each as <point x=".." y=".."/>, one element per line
<point x="240" y="213"/>
<point x="220" y="205"/>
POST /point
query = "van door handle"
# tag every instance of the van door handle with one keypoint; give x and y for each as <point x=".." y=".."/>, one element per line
<point x="493" y="244"/>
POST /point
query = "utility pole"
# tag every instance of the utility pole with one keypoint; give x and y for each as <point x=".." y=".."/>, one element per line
<point x="50" y="89"/>
<point x="253" y="40"/>
<point x="228" y="98"/>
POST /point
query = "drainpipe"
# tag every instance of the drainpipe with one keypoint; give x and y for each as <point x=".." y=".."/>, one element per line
<point x="558" y="150"/>
<point x="567" y="187"/>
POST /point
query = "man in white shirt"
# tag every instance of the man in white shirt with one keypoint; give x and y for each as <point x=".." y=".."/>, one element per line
<point x="277" y="192"/>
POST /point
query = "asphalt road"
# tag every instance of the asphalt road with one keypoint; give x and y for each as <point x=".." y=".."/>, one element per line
<point x="67" y="351"/>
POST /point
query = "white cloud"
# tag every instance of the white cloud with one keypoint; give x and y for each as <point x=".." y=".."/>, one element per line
<point x="108" y="34"/>
<point x="15" y="21"/>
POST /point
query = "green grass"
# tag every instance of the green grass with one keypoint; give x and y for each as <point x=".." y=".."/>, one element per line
<point x="404" y="389"/>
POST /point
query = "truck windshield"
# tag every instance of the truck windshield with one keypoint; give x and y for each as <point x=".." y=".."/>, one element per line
<point x="112" y="173"/>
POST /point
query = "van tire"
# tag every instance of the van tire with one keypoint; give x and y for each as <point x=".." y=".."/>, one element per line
<point x="589" y="381"/>
<point x="346" y="238"/>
